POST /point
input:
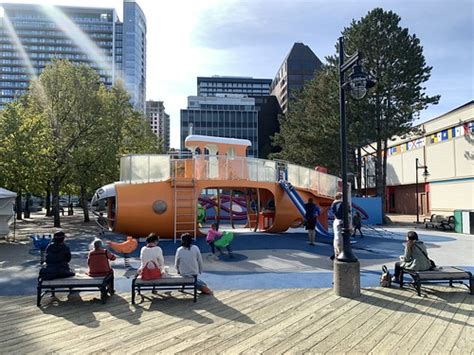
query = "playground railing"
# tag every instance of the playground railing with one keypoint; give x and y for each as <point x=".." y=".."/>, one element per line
<point x="140" y="168"/>
<point x="324" y="184"/>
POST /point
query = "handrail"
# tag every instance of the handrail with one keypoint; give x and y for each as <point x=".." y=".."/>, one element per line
<point x="145" y="168"/>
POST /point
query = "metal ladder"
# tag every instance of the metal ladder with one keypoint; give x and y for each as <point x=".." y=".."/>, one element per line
<point x="185" y="207"/>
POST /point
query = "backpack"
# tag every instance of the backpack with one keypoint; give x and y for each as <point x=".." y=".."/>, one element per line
<point x="151" y="271"/>
<point x="386" y="278"/>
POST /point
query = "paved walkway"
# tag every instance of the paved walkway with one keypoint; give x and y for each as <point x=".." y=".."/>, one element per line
<point x="262" y="260"/>
<point x="381" y="321"/>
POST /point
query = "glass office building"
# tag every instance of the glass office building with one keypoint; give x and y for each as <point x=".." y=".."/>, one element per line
<point x="134" y="52"/>
<point x="299" y="66"/>
<point x="32" y="35"/>
<point x="210" y="86"/>
<point x="223" y="115"/>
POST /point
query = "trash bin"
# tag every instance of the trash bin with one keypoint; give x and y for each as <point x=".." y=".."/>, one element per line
<point x="458" y="221"/>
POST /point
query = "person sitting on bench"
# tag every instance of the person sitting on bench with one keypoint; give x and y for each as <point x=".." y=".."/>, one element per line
<point x="415" y="258"/>
<point x="152" y="252"/>
<point x="58" y="257"/>
<point x="98" y="260"/>
<point x="188" y="261"/>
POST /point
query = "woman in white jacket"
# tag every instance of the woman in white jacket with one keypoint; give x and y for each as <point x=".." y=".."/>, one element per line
<point x="152" y="252"/>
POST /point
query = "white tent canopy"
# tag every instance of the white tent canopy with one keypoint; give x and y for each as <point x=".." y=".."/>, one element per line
<point x="7" y="199"/>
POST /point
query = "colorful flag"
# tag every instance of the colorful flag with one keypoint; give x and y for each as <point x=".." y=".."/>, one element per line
<point x="451" y="133"/>
<point x="459" y="131"/>
<point x="444" y="135"/>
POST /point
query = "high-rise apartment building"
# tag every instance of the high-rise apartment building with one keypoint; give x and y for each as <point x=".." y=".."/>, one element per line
<point x="299" y="66"/>
<point x="210" y="86"/>
<point x="159" y="121"/>
<point x="134" y="52"/>
<point x="32" y="35"/>
<point x="222" y="115"/>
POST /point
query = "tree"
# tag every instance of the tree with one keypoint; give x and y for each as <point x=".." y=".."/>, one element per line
<point x="119" y="130"/>
<point x="309" y="132"/>
<point x="22" y="145"/>
<point x="395" y="59"/>
<point x="66" y="97"/>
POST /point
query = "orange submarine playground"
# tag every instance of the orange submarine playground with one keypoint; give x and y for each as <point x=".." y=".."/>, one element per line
<point x="169" y="195"/>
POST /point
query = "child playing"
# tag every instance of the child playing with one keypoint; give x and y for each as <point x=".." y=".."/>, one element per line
<point x="213" y="235"/>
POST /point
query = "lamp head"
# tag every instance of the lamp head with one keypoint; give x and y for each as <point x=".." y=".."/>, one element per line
<point x="426" y="173"/>
<point x="358" y="83"/>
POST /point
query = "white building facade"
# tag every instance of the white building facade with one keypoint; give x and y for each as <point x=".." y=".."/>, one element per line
<point x="446" y="148"/>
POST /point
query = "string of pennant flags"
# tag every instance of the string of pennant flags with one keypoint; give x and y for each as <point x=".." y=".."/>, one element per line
<point x="441" y="136"/>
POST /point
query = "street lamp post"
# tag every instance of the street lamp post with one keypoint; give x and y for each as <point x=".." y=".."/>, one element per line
<point x="346" y="265"/>
<point x="425" y="175"/>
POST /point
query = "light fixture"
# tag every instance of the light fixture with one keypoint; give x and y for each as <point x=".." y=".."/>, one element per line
<point x="359" y="82"/>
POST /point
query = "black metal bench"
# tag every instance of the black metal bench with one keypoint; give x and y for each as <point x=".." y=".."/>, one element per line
<point x="448" y="224"/>
<point x="167" y="283"/>
<point x="448" y="274"/>
<point x="435" y="221"/>
<point x="81" y="283"/>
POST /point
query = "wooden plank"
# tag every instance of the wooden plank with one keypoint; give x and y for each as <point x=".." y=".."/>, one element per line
<point x="295" y="322"/>
<point x="398" y="331"/>
<point x="124" y="312"/>
<point x="171" y="323"/>
<point x="244" y="317"/>
<point x="430" y="334"/>
<point x="465" y="342"/>
<point x="166" y="321"/>
<point x="269" y="321"/>
<point x="450" y="336"/>
<point x="313" y="324"/>
<point x="375" y="303"/>
<point x="419" y="329"/>
<point x="230" y="333"/>
<point x="118" y="307"/>
<point x="333" y="324"/>
<point x="375" y="329"/>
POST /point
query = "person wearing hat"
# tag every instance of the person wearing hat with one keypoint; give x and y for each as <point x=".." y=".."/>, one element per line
<point x="58" y="257"/>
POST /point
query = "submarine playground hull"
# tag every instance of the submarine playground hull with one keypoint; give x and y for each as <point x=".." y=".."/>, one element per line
<point x="137" y="213"/>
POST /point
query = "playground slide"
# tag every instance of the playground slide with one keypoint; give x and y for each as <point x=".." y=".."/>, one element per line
<point x="299" y="203"/>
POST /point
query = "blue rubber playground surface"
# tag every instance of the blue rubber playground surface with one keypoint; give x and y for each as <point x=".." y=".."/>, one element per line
<point x="261" y="261"/>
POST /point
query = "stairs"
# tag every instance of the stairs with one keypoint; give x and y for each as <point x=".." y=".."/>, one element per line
<point x="185" y="207"/>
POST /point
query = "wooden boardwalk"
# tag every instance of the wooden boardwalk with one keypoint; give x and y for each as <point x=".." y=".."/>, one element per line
<point x="252" y="321"/>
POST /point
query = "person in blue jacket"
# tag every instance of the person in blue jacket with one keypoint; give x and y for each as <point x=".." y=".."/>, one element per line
<point x="58" y="257"/>
<point x="311" y="217"/>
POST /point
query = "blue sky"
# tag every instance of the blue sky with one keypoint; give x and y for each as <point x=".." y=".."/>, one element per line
<point x="187" y="39"/>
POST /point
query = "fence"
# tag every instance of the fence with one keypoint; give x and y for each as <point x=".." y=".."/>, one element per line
<point x="152" y="168"/>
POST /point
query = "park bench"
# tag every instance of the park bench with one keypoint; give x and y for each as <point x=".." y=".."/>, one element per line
<point x="448" y="274"/>
<point x="447" y="224"/>
<point x="81" y="283"/>
<point x="434" y="221"/>
<point x="166" y="283"/>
